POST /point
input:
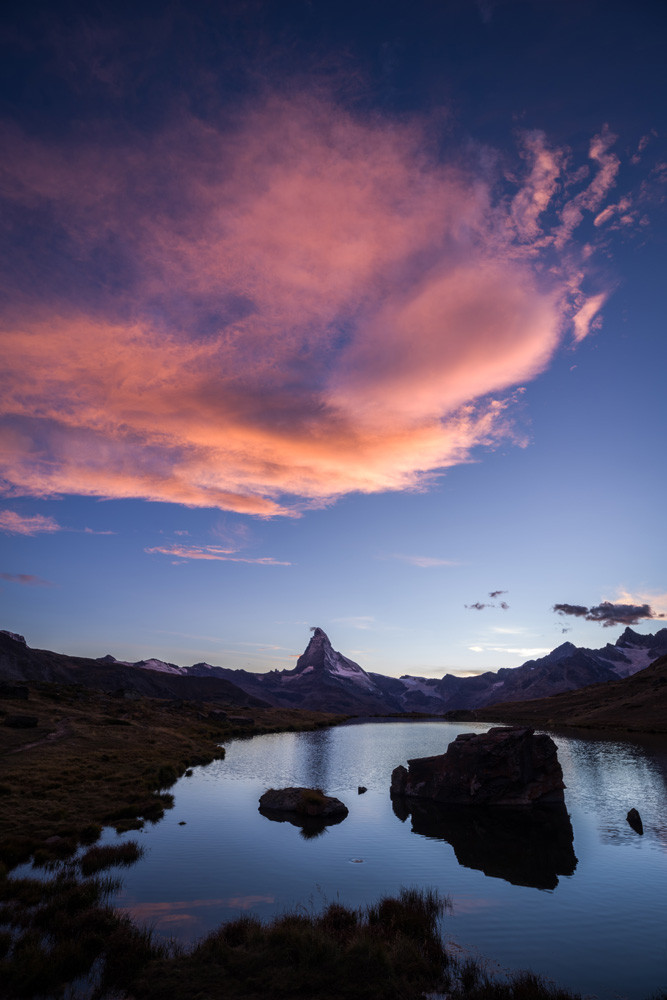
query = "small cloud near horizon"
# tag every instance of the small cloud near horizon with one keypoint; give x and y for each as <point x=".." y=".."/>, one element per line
<point x="530" y="651"/>
<point x="425" y="562"/>
<point x="480" y="606"/>
<point x="608" y="614"/>
<point x="362" y="622"/>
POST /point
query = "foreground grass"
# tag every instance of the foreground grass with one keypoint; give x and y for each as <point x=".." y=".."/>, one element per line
<point x="97" y="760"/>
<point x="392" y="950"/>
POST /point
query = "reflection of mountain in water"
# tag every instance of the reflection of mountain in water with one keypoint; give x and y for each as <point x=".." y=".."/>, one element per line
<point x="529" y="847"/>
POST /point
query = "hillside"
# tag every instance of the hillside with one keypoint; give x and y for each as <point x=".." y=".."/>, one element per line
<point x="18" y="662"/>
<point x="637" y="703"/>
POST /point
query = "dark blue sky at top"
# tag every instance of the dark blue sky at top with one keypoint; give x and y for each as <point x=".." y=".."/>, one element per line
<point x="491" y="65"/>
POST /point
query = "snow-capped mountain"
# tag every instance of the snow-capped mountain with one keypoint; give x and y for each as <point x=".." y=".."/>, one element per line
<point x="326" y="680"/>
<point x="323" y="680"/>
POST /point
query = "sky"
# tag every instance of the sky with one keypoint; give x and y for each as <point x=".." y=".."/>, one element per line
<point x="346" y="315"/>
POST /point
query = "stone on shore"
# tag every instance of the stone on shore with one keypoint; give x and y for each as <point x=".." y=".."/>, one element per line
<point x="506" y="766"/>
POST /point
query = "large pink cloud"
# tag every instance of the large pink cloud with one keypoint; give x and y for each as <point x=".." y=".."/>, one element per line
<point x="297" y="305"/>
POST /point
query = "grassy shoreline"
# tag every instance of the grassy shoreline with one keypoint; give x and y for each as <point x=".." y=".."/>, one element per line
<point x="97" y="760"/>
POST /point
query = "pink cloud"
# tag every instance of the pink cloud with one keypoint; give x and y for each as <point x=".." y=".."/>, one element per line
<point x="584" y="318"/>
<point x="26" y="579"/>
<point x="20" y="524"/>
<point x="537" y="192"/>
<point x="592" y="197"/>
<point x="213" y="552"/>
<point x="306" y="303"/>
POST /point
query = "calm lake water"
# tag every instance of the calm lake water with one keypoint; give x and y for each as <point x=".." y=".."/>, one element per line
<point x="584" y="905"/>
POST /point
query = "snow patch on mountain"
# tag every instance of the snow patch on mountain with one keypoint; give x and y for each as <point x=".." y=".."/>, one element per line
<point x="160" y="666"/>
<point x="638" y="659"/>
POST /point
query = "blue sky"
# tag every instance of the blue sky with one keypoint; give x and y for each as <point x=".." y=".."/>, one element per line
<point x="333" y="315"/>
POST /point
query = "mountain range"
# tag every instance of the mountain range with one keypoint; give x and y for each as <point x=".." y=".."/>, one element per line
<point x="326" y="680"/>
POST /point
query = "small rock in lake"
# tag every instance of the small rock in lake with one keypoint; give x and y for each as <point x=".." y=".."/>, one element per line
<point x="304" y="801"/>
<point x="182" y="823"/>
<point x="361" y="789"/>
<point x="635" y="821"/>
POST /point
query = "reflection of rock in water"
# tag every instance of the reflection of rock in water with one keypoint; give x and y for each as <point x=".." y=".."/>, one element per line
<point x="309" y="826"/>
<point x="529" y="847"/>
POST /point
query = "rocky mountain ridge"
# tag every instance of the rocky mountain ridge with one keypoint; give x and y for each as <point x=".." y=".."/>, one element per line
<point x="326" y="680"/>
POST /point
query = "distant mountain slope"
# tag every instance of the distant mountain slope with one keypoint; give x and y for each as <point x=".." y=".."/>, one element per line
<point x="326" y="680"/>
<point x="18" y="662"/>
<point x="635" y="703"/>
<point x="566" y="668"/>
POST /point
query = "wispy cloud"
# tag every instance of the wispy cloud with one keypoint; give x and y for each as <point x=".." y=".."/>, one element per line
<point x="26" y="579"/>
<point x="34" y="524"/>
<point x="529" y="651"/>
<point x="212" y="552"/>
<point x="305" y="304"/>
<point x="27" y="524"/>
<point x="363" y="622"/>
<point x="425" y="562"/>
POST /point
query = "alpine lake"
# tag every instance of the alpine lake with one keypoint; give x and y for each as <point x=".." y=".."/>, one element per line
<point x="582" y="901"/>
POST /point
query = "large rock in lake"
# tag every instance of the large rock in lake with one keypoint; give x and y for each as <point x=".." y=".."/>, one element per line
<point x="506" y="766"/>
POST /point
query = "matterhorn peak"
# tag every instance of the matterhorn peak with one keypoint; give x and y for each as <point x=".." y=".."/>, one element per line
<point x="320" y="657"/>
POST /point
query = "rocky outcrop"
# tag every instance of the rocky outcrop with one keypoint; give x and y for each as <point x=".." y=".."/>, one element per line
<point x="506" y="767"/>
<point x="311" y="802"/>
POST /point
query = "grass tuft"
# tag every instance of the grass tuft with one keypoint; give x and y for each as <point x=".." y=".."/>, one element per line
<point x="98" y="859"/>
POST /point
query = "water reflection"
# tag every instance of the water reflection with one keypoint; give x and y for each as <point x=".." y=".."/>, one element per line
<point x="612" y="778"/>
<point x="309" y="826"/>
<point x="315" y="759"/>
<point x="529" y="847"/>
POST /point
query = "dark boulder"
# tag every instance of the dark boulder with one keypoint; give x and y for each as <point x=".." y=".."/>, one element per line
<point x="303" y="801"/>
<point x="506" y="766"/>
